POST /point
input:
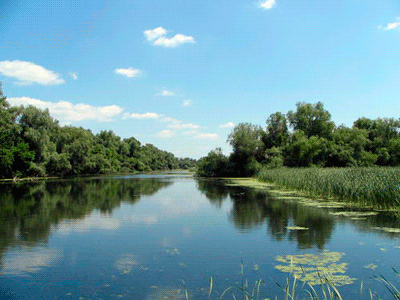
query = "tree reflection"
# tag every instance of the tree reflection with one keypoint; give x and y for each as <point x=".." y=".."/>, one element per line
<point x="215" y="191"/>
<point x="254" y="207"/>
<point x="28" y="211"/>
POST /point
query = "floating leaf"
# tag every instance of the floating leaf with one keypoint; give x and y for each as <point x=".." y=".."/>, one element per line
<point x="354" y="213"/>
<point x="316" y="268"/>
<point x="388" y="229"/>
<point x="371" y="266"/>
<point x="174" y="251"/>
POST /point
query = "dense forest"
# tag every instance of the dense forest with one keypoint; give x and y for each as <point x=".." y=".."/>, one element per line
<point x="306" y="137"/>
<point x="33" y="144"/>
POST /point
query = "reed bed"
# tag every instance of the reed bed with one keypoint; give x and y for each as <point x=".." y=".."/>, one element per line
<point x="378" y="187"/>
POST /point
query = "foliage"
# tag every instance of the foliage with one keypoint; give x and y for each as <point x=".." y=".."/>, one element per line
<point x="32" y="143"/>
<point x="311" y="119"/>
<point x="314" y="141"/>
<point x="213" y="165"/>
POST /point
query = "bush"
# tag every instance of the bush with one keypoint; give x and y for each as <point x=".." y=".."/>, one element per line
<point x="215" y="164"/>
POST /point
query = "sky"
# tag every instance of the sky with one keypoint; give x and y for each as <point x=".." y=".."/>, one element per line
<point x="181" y="74"/>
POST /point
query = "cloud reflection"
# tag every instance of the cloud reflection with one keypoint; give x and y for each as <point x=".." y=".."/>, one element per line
<point x="27" y="260"/>
<point x="94" y="221"/>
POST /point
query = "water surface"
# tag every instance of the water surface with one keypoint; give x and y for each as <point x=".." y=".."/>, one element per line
<point x="155" y="236"/>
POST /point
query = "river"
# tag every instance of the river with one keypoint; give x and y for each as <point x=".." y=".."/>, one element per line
<point x="164" y="236"/>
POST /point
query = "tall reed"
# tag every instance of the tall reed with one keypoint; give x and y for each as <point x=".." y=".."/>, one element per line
<point x="371" y="186"/>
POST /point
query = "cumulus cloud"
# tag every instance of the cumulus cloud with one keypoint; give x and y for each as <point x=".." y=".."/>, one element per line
<point x="393" y="25"/>
<point x="148" y="115"/>
<point x="267" y="4"/>
<point x="66" y="111"/>
<point x="28" y="73"/>
<point x="168" y="119"/>
<point x="183" y="126"/>
<point x="190" y="132"/>
<point x="165" y="134"/>
<point x="206" y="136"/>
<point x="74" y="75"/>
<point x="166" y="93"/>
<point x="158" y="37"/>
<point x="154" y="34"/>
<point x="130" y="72"/>
<point x="227" y="125"/>
<point x="187" y="102"/>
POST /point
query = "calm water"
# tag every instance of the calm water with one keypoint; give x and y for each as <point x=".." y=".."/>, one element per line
<point x="152" y="236"/>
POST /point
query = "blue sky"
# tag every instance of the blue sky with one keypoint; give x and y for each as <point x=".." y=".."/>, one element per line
<point x="179" y="74"/>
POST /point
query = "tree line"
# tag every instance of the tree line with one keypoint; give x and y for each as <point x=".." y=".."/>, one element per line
<point x="33" y="144"/>
<point x="305" y="137"/>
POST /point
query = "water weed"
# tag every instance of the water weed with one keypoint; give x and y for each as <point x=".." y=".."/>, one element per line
<point x="377" y="187"/>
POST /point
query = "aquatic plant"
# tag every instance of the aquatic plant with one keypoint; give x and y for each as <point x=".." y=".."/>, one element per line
<point x="370" y="186"/>
<point x="316" y="269"/>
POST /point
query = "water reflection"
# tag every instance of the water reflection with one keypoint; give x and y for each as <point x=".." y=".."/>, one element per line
<point x="28" y="212"/>
<point x="26" y="259"/>
<point x="255" y="207"/>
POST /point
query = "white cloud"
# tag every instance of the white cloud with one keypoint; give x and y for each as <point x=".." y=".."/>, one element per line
<point x="168" y="119"/>
<point x="267" y="4"/>
<point x="66" y="111"/>
<point x="74" y="75"/>
<point x="157" y="37"/>
<point x="190" y="132"/>
<point x="148" y="115"/>
<point x="184" y="126"/>
<point x="177" y="40"/>
<point x="28" y="73"/>
<point x="227" y="125"/>
<point x="153" y="34"/>
<point x="165" y="134"/>
<point x="187" y="103"/>
<point x="391" y="26"/>
<point x="166" y="93"/>
<point x="206" y="136"/>
<point x="130" y="72"/>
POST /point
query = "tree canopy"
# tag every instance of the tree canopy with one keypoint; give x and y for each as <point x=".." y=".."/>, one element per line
<point x="32" y="143"/>
<point x="306" y="137"/>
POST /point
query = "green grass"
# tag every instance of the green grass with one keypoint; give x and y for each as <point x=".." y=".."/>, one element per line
<point x="378" y="187"/>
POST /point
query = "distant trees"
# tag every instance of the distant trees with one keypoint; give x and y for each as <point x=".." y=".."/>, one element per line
<point x="303" y="138"/>
<point x="32" y="143"/>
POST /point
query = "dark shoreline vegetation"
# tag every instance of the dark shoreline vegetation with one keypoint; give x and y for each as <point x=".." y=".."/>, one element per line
<point x="306" y="151"/>
<point x="33" y="144"/>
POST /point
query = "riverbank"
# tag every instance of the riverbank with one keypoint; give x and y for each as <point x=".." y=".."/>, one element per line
<point x="31" y="179"/>
<point x="372" y="187"/>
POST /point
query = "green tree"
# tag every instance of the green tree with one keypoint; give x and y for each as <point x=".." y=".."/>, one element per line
<point x="213" y="165"/>
<point x="302" y="151"/>
<point x="312" y="119"/>
<point x="277" y="132"/>
<point x="248" y="149"/>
